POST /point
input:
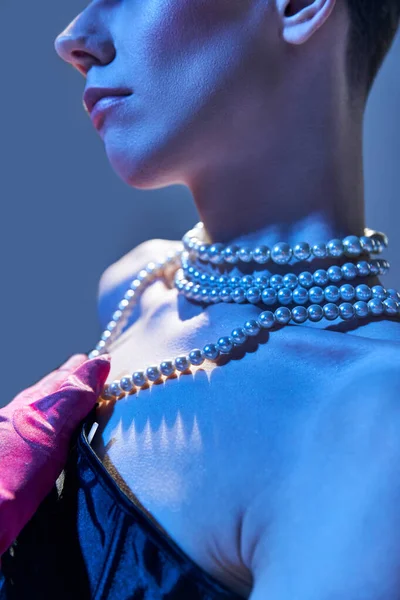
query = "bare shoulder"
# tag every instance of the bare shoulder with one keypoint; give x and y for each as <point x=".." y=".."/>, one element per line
<point x="378" y="375"/>
<point x="132" y="262"/>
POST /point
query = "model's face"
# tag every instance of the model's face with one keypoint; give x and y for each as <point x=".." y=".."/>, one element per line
<point x="193" y="67"/>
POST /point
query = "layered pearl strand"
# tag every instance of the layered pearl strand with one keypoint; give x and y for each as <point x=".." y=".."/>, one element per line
<point x="192" y="279"/>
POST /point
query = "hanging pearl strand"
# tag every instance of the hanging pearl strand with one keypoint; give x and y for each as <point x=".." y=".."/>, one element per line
<point x="276" y="289"/>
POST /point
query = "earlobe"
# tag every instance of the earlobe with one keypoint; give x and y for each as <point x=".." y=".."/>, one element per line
<point x="302" y="18"/>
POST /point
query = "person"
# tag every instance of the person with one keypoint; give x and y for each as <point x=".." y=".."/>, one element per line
<point x="272" y="472"/>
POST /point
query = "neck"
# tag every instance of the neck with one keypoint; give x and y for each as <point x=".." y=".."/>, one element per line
<point x="300" y="180"/>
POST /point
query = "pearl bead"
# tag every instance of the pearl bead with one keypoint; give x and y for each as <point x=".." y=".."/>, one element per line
<point x="101" y="345"/>
<point x="115" y="389"/>
<point x="196" y="357"/>
<point x="266" y="319"/>
<point x="261" y="281"/>
<point x="285" y="295"/>
<point x="136" y="284"/>
<point x="390" y="306"/>
<point x="363" y="292"/>
<point x="374" y="269"/>
<point x="238" y="336"/>
<point x="126" y="383"/>
<point x="366" y="244"/>
<point x="276" y="281"/>
<point x="306" y="279"/>
<point x="238" y="295"/>
<point x="151" y="268"/>
<point x="283" y="315"/>
<point x="375" y="306"/>
<point x="299" y="314"/>
<point x="363" y="268"/>
<point x="331" y="311"/>
<point x="167" y="367"/>
<point x="143" y="275"/>
<point x="106" y="393"/>
<point x="349" y="271"/>
<point x="352" y="246"/>
<point x="214" y="296"/>
<point x="226" y="294"/>
<point x="320" y="277"/>
<point x="269" y="296"/>
<point x="139" y="378"/>
<point x="315" y="312"/>
<point x="290" y="281"/>
<point x="332" y="293"/>
<point x="253" y="295"/>
<point x="378" y="292"/>
<point x="335" y="247"/>
<point x="130" y="295"/>
<point x="281" y="253"/>
<point x="215" y="255"/>
<point x="210" y="351"/>
<point x="262" y="254"/>
<point x="316" y="294"/>
<point x="153" y="373"/>
<point x="246" y="281"/>
<point x="225" y="344"/>
<point x="235" y="281"/>
<point x="182" y="363"/>
<point x="300" y="295"/>
<point x="245" y="254"/>
<point x="223" y="280"/>
<point x="347" y="311"/>
<point x="251" y="327"/>
<point x="392" y="293"/>
<point x="205" y="295"/>
<point x="105" y="335"/>
<point x="319" y="250"/>
<point x="203" y="279"/>
<point x="335" y="274"/>
<point x="361" y="308"/>
<point x="111" y="326"/>
<point x="230" y="254"/>
<point x="302" y="251"/>
<point x="347" y="292"/>
<point x="203" y="251"/>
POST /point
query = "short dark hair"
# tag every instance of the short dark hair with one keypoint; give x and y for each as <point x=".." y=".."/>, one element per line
<point x="373" y="26"/>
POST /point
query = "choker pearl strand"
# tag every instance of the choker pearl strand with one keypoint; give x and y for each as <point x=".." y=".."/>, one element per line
<point x="280" y="290"/>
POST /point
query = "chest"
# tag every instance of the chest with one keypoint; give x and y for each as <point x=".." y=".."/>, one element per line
<point x="203" y="453"/>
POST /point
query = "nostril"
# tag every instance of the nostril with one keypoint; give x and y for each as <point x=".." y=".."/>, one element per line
<point x="83" y="61"/>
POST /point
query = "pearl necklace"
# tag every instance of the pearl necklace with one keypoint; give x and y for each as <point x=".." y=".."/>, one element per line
<point x="277" y="289"/>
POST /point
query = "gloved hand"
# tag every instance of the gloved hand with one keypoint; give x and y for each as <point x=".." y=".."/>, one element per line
<point x="35" y="433"/>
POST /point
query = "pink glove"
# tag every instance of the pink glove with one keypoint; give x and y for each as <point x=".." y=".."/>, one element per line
<point x="35" y="433"/>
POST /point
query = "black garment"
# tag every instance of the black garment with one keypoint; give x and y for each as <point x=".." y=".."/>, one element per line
<point x="88" y="540"/>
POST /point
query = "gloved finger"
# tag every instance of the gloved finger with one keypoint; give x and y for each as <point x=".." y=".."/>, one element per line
<point x="45" y="418"/>
<point x="49" y="383"/>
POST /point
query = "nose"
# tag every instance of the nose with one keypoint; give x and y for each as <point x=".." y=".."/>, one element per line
<point x="83" y="45"/>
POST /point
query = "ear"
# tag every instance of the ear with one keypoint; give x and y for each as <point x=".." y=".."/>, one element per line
<point x="301" y="18"/>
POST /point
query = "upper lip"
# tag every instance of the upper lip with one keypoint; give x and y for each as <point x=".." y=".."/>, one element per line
<point x="93" y="95"/>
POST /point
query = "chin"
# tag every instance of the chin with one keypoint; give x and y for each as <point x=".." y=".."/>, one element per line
<point x="138" y="168"/>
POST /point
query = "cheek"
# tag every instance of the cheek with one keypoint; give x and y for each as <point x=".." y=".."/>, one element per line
<point x="175" y="30"/>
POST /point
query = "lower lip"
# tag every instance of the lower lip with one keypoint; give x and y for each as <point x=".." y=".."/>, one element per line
<point x="102" y="105"/>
